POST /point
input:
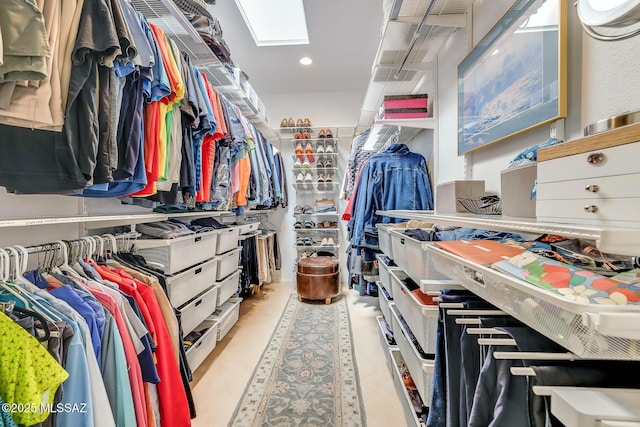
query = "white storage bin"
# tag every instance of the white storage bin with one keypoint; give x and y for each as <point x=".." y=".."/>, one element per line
<point x="385" y="302"/>
<point x="184" y="286"/>
<point x="409" y="413"/>
<point x="227" y="315"/>
<point x="385" y="344"/>
<point x="196" y="310"/>
<point x="421" y="369"/>
<point x="246" y="228"/>
<point x="227" y="287"/>
<point x="384" y="238"/>
<point x="175" y="255"/>
<point x="421" y="318"/>
<point x="227" y="263"/>
<point x="409" y="256"/>
<point x="385" y="273"/>
<point x="205" y="345"/>
<point x="227" y="239"/>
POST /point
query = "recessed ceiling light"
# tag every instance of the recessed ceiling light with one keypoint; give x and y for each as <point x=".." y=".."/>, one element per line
<point x="305" y="60"/>
<point x="275" y="22"/>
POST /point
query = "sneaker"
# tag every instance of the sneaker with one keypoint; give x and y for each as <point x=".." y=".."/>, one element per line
<point x="306" y="135"/>
<point x="297" y="135"/>
<point x="298" y="150"/>
<point x="309" y="152"/>
<point x="331" y="242"/>
<point x="298" y="209"/>
<point x="328" y="178"/>
<point x="306" y="122"/>
<point x="328" y="163"/>
<point x="309" y="224"/>
<point x="284" y="123"/>
<point x="329" y="148"/>
<point x="291" y="123"/>
<point x="320" y="149"/>
<point x="300" y="177"/>
<point x="306" y="209"/>
<point x="321" y="178"/>
<point x="299" y="123"/>
<point x="297" y="225"/>
<point x="321" y="133"/>
<point x="328" y="133"/>
<point x="299" y="241"/>
<point x="307" y="177"/>
<point x="320" y="164"/>
<point x="297" y="164"/>
<point x="308" y="241"/>
<point x="306" y="164"/>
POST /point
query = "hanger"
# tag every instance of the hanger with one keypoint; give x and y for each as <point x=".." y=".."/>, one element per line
<point x="64" y="251"/>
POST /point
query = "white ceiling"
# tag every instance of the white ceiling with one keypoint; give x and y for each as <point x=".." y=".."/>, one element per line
<point x="343" y="39"/>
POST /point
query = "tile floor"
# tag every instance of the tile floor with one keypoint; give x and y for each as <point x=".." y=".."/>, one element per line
<point x="219" y="382"/>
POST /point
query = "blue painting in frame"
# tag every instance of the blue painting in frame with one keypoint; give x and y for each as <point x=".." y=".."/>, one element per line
<point x="515" y="78"/>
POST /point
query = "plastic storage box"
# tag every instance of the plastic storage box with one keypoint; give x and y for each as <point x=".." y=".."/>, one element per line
<point x="421" y="318"/>
<point x="183" y="286"/>
<point x="448" y="193"/>
<point x="227" y="239"/>
<point x="205" y="344"/>
<point x="409" y="256"/>
<point x="196" y="310"/>
<point x="385" y="344"/>
<point x="384" y="238"/>
<point x="227" y="315"/>
<point x="410" y="415"/>
<point x="178" y="254"/>
<point x="385" y="302"/>
<point x="227" y="287"/>
<point x="421" y="369"/>
<point x="385" y="273"/>
<point x="227" y="263"/>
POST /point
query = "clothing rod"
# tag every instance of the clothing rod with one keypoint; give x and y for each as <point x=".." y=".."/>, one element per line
<point x="50" y="246"/>
<point x="516" y="355"/>
<point x="522" y="372"/>
<point x="462" y="321"/>
<point x="246" y="236"/>
<point x="485" y="331"/>
<point x="476" y="312"/>
<point x="498" y="341"/>
<point x="414" y="39"/>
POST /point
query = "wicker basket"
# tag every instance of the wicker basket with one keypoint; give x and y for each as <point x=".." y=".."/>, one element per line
<point x="484" y="205"/>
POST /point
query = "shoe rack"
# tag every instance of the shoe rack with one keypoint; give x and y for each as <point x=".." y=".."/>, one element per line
<point x="317" y="183"/>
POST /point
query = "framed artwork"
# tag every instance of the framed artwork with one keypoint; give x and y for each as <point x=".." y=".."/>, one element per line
<point x="515" y="78"/>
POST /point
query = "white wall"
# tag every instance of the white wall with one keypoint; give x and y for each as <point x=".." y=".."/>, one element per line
<point x="319" y="107"/>
<point x="602" y="81"/>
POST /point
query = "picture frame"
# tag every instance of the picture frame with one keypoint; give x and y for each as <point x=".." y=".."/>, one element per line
<point x="515" y="78"/>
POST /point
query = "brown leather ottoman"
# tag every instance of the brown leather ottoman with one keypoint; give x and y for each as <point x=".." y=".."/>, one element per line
<point x="318" y="278"/>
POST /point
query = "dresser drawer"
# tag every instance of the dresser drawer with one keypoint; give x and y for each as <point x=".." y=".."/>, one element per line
<point x="610" y="187"/>
<point x="620" y="160"/>
<point x="175" y="255"/>
<point x="186" y="285"/>
<point x="194" y="312"/>
<point x="603" y="211"/>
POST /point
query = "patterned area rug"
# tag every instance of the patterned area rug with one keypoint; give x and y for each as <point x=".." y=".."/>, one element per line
<point x="307" y="375"/>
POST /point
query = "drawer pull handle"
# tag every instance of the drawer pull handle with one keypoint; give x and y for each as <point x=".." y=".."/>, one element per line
<point x="197" y="239"/>
<point x="595" y="158"/>
<point x="592" y="188"/>
<point x="591" y="208"/>
<point x="198" y="271"/>
<point x="198" y="303"/>
<point x="402" y="240"/>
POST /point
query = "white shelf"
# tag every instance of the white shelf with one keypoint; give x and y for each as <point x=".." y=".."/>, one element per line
<point x="622" y="241"/>
<point x="103" y="220"/>
<point x="316" y="170"/>
<point x="594" y="407"/>
<point x="336" y="131"/>
<point x="331" y="214"/>
<point x="426" y="123"/>
<point x="304" y="230"/>
<point x="316" y="247"/>
<point x="166" y="15"/>
<point x="202" y="214"/>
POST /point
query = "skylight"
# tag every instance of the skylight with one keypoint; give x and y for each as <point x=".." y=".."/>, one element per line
<point x="275" y="22"/>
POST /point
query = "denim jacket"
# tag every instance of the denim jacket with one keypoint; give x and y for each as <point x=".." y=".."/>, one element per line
<point x="393" y="179"/>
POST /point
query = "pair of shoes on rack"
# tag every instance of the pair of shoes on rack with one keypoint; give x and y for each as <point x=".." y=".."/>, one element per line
<point x="288" y="123"/>
<point x="299" y="123"/>
<point x="327" y="241"/>
<point x="304" y="178"/>
<point x="327" y="148"/>
<point x="306" y="254"/>
<point x="325" y="133"/>
<point x="300" y="165"/>
<point x="326" y="224"/>
<point x="304" y="241"/>
<point x="325" y="178"/>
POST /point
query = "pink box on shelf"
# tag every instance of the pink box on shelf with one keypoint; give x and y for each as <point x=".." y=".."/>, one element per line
<point x="404" y="113"/>
<point x="405" y="101"/>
